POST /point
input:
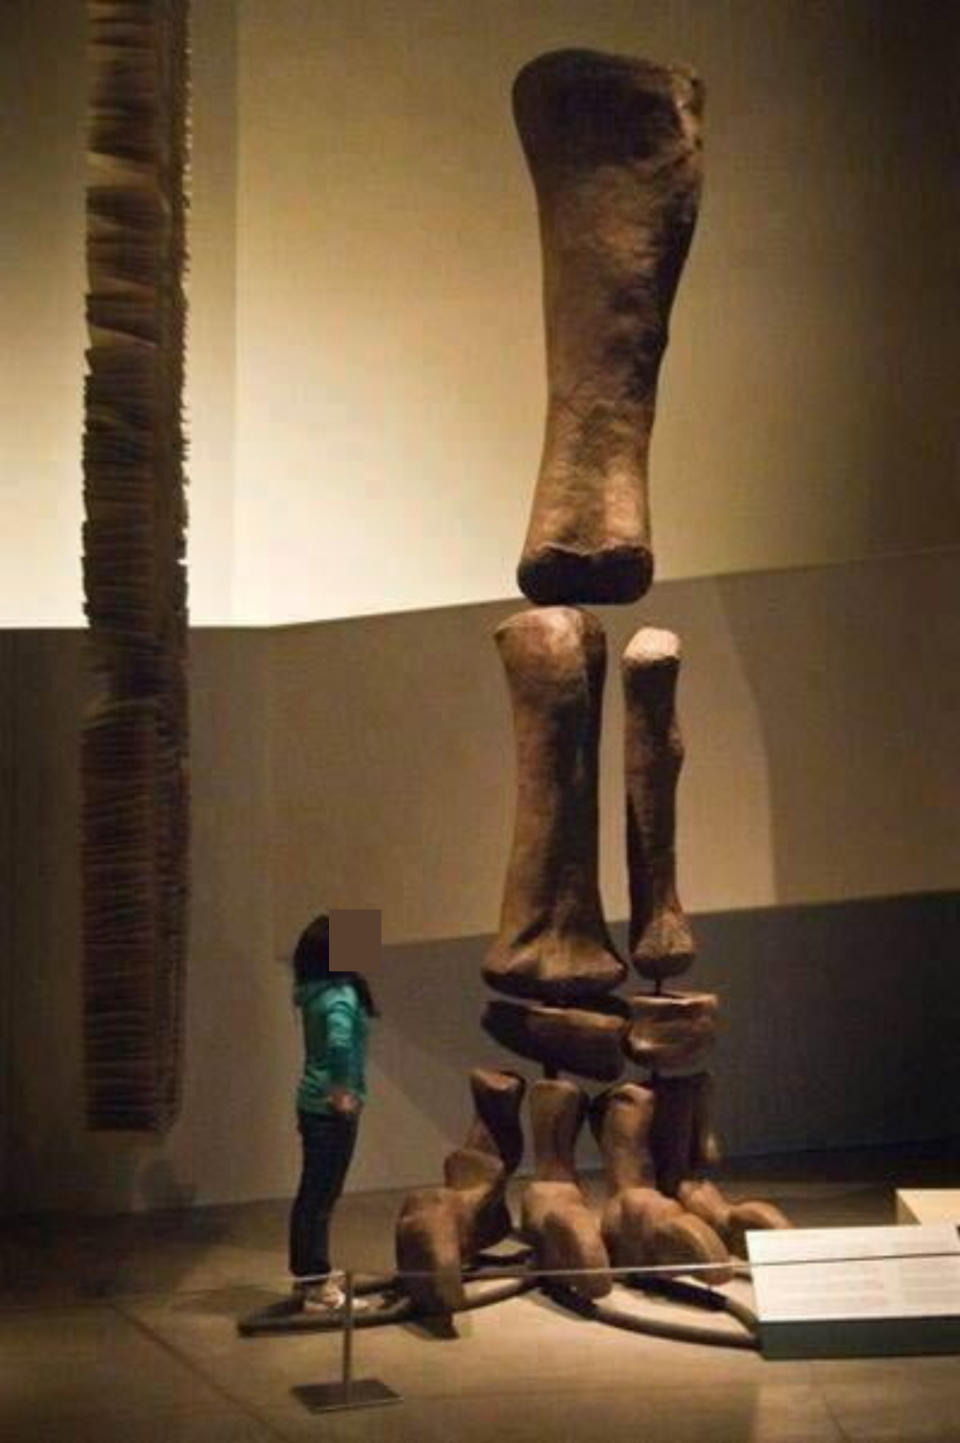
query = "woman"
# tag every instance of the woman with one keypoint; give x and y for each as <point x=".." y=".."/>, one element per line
<point x="336" y="1009"/>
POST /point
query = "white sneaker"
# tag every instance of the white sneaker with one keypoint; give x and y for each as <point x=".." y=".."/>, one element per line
<point x="328" y="1297"/>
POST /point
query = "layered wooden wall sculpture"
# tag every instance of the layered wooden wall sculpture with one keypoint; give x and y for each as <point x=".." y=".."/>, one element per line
<point x="135" y="731"/>
<point x="613" y="146"/>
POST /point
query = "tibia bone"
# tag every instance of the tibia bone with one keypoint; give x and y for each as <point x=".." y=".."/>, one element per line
<point x="553" y="943"/>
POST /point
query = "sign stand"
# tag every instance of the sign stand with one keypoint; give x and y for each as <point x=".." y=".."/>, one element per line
<point x="348" y="1392"/>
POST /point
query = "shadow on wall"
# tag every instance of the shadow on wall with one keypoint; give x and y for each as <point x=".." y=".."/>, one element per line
<point x="855" y="676"/>
<point x="836" y="1031"/>
<point x="837" y="1022"/>
<point x="839" y="1011"/>
<point x="431" y="997"/>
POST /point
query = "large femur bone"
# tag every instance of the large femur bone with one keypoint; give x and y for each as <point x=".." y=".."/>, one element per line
<point x="553" y="943"/>
<point x="614" y="153"/>
<point x="661" y="943"/>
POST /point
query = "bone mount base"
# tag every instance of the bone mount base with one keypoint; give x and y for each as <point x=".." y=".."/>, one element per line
<point x="613" y="149"/>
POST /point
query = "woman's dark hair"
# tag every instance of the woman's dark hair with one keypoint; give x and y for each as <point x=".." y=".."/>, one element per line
<point x="311" y="963"/>
<point x="311" y="956"/>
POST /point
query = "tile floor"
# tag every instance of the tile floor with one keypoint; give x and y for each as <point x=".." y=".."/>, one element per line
<point x="125" y="1329"/>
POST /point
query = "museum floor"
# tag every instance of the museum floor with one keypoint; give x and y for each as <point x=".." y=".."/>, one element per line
<point x="124" y="1329"/>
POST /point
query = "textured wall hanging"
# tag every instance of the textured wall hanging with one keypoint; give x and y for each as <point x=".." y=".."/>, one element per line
<point x="135" y="730"/>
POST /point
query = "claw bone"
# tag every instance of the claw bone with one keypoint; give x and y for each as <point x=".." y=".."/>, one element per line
<point x="441" y="1227"/>
<point x="639" y="1224"/>
<point x="732" y="1220"/>
<point x="556" y="1216"/>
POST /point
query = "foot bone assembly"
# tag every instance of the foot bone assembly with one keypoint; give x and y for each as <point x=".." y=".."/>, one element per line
<point x="613" y="149"/>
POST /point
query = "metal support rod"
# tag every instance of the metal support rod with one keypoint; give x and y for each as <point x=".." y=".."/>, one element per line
<point x="347" y="1393"/>
<point x="347" y="1337"/>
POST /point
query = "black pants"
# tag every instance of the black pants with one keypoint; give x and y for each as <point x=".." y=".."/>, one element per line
<point x="328" y="1141"/>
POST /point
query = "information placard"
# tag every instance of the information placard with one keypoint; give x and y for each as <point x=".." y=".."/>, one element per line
<point x="831" y="1292"/>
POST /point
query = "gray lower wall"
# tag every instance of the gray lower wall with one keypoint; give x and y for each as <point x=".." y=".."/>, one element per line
<point x="838" y="1026"/>
<point x="369" y="763"/>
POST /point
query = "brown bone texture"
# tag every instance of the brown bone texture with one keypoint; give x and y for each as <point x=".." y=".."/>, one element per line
<point x="557" y="1219"/>
<point x="588" y="1044"/>
<point x="496" y="1127"/>
<point x="613" y="148"/>
<point x="428" y="1243"/>
<point x="683" y="1146"/>
<point x="661" y="943"/>
<point x="621" y="1119"/>
<point x="681" y="1140"/>
<point x="732" y="1220"/>
<point x="440" y="1228"/>
<point x="640" y="1226"/>
<point x="553" y="945"/>
<point x="670" y="1029"/>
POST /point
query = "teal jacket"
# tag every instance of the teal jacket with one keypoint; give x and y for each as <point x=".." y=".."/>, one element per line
<point x="335" y="1028"/>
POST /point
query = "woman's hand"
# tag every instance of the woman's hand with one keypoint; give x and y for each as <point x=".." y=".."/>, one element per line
<point x="344" y="1101"/>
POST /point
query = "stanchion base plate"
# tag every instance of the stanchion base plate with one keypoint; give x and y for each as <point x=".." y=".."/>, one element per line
<point x="329" y="1397"/>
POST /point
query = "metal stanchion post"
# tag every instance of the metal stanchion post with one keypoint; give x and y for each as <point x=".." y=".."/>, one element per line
<point x="348" y="1340"/>
<point x="348" y="1393"/>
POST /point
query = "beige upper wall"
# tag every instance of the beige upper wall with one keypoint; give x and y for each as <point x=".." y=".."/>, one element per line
<point x="390" y="388"/>
<point x="365" y="370"/>
<point x="41" y="304"/>
<point x="819" y="710"/>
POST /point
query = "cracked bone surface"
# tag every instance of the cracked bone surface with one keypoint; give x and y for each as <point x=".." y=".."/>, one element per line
<point x="639" y="1225"/>
<point x="553" y="943"/>
<point x="661" y="943"/>
<point x="441" y="1228"/>
<point x="589" y="1044"/>
<point x="613" y="148"/>
<point x="556" y="1217"/>
<point x="670" y="1029"/>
